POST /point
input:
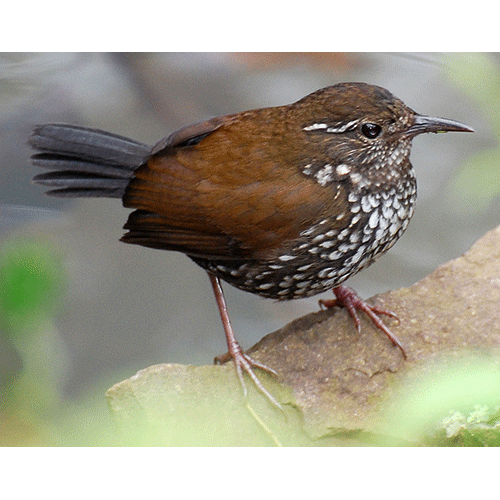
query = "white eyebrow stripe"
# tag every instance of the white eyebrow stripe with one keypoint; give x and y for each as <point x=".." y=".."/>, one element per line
<point x="334" y="129"/>
<point x="315" y="126"/>
<point x="342" y="128"/>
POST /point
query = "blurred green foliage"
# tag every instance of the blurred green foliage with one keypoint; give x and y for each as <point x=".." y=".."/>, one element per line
<point x="453" y="403"/>
<point x="30" y="284"/>
<point x="33" y="410"/>
<point x="480" y="427"/>
<point x="478" y="76"/>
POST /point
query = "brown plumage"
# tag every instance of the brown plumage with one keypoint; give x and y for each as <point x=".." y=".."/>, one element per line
<point x="226" y="214"/>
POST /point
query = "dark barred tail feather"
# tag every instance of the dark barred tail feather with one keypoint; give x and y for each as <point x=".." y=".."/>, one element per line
<point x="85" y="162"/>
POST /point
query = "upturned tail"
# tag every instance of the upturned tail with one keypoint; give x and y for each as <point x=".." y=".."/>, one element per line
<point x="85" y="162"/>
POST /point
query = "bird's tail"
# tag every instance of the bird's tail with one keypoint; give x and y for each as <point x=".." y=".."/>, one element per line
<point x="85" y="162"/>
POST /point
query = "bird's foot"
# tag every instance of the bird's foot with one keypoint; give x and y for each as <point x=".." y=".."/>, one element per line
<point x="348" y="298"/>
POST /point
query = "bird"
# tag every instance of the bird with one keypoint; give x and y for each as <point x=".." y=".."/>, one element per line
<point x="283" y="202"/>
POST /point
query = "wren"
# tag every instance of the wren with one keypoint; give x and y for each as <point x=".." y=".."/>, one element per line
<point x="283" y="202"/>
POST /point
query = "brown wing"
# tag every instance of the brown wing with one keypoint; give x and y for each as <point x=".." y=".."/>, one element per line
<point x="152" y="230"/>
<point x="212" y="190"/>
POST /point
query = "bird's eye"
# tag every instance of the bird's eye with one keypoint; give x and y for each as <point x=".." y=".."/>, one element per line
<point x="371" y="130"/>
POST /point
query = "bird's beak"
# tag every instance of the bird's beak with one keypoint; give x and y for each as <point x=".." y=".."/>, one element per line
<point x="423" y="124"/>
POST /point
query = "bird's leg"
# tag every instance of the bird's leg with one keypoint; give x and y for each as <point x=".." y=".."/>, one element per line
<point x="348" y="298"/>
<point x="242" y="361"/>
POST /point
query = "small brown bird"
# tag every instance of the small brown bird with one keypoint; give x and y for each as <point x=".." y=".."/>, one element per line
<point x="282" y="202"/>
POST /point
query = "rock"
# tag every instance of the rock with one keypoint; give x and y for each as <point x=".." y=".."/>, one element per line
<point x="337" y="386"/>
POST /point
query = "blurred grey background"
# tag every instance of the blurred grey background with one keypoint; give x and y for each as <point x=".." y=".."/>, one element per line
<point x="128" y="307"/>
